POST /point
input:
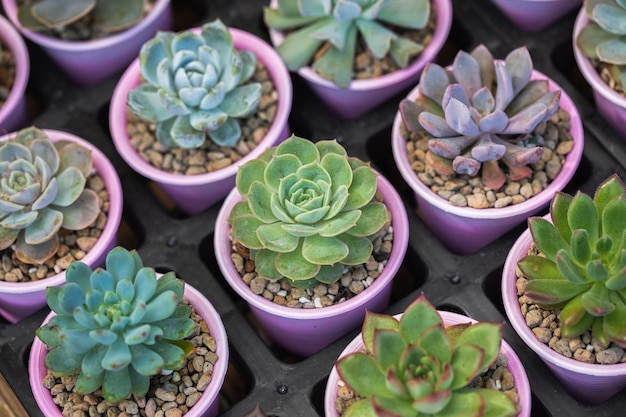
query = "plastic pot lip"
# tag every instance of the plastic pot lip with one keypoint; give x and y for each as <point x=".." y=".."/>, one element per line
<point x="442" y="29"/>
<point x="572" y="160"/>
<point x="107" y="171"/>
<point x="589" y="72"/>
<point x="522" y="383"/>
<point x="10" y="8"/>
<point x="203" y="307"/>
<point x="14" y="41"/>
<point x="400" y="226"/>
<point x="242" y="40"/>
<point x="513" y="312"/>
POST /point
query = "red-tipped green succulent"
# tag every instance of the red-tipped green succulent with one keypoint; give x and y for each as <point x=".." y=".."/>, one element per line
<point x="43" y="190"/>
<point x="481" y="114"/>
<point x="583" y="267"/>
<point x="418" y="367"/>
<point x="308" y="211"/>
<point x="116" y="327"/>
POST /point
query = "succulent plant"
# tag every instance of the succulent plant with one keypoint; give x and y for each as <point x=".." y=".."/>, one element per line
<point x="603" y="38"/>
<point x="582" y="266"/>
<point x="196" y="85"/>
<point x="108" y="15"/>
<point x="416" y="366"/>
<point x="308" y="211"/>
<point x="330" y="30"/>
<point x="481" y="112"/>
<point x="116" y="327"/>
<point x="43" y="190"/>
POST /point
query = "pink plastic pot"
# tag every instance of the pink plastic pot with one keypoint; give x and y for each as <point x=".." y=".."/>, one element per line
<point x="364" y="95"/>
<point x="465" y="230"/>
<point x="88" y="62"/>
<point x="13" y="112"/>
<point x="20" y="299"/>
<point x="610" y="104"/>
<point x="535" y="15"/>
<point x="207" y="405"/>
<point x="590" y="383"/>
<point x="307" y="331"/>
<point x="194" y="193"/>
<point x="515" y="366"/>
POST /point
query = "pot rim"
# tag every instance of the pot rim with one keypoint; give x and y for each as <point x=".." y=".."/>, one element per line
<point x="11" y="39"/>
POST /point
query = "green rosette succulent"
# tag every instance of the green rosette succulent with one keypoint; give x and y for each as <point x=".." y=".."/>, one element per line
<point x="116" y="327"/>
<point x="108" y="15"/>
<point x="481" y="114"/>
<point x="603" y="38"/>
<point x="308" y="211"/>
<point x="330" y="30"/>
<point x="418" y="367"/>
<point x="196" y="85"/>
<point x="582" y="266"/>
<point x="43" y="190"/>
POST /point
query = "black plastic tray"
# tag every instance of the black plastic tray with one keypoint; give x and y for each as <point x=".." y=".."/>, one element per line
<point x="284" y="385"/>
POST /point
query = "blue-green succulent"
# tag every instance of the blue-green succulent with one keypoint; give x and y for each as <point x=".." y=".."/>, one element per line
<point x="43" y="190"/>
<point x="116" y="327"/>
<point x="195" y="85"/>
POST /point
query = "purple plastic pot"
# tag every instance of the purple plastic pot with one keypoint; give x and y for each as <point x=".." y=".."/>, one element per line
<point x="88" y="62"/>
<point x="515" y="366"/>
<point x="590" y="383"/>
<point x="194" y="193"/>
<point x="465" y="230"/>
<point x="207" y="405"/>
<point x="610" y="104"/>
<point x="364" y="95"/>
<point x="20" y="299"/>
<point x="13" y="113"/>
<point x="307" y="331"/>
<point x="534" y="15"/>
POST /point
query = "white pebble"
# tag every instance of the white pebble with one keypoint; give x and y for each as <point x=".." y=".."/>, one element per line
<point x="304" y="300"/>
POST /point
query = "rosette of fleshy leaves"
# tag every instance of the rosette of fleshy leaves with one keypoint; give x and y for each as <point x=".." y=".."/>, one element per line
<point x="308" y="211"/>
<point x="196" y="85"/>
<point x="329" y="30"/>
<point x="43" y="190"/>
<point x="603" y="38"/>
<point x="108" y="15"/>
<point x="581" y="269"/>
<point x="480" y="113"/>
<point x="116" y="327"/>
<point x="417" y="366"/>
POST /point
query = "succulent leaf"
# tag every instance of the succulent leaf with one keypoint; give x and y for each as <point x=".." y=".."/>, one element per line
<point x="307" y="205"/>
<point x="97" y="334"/>
<point x="418" y="366"/>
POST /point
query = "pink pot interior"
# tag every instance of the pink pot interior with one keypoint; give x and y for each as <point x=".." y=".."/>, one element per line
<point x="515" y="366"/>
<point x="13" y="111"/>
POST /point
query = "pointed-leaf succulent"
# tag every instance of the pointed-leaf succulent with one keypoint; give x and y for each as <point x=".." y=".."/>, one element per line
<point x="43" y="190"/>
<point x="582" y="266"/>
<point x="418" y="367"/>
<point x="308" y="211"/>
<point x="108" y="15"/>
<point x="481" y="113"/>
<point x="331" y="29"/>
<point x="116" y="327"/>
<point x="603" y="38"/>
<point x="195" y="85"/>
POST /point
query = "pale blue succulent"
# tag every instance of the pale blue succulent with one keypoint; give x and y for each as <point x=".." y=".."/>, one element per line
<point x="43" y="190"/>
<point x="116" y="327"/>
<point x="196" y="85"/>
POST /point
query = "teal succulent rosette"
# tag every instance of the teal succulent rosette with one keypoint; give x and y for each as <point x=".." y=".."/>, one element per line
<point x="308" y="211"/>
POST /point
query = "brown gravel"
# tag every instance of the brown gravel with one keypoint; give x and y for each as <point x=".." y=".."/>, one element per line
<point x="169" y="395"/>
<point x="463" y="190"/>
<point x="7" y="74"/>
<point x="606" y="73"/>
<point x="74" y="245"/>
<point x="546" y="326"/>
<point x="497" y="377"/>
<point x="209" y="157"/>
